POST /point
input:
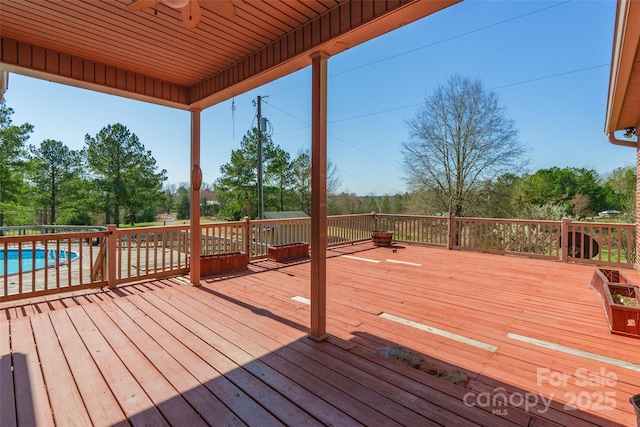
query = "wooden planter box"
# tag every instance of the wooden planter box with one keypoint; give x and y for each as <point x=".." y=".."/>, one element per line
<point x="623" y="319"/>
<point x="223" y="263"/>
<point x="382" y="238"/>
<point x="288" y="252"/>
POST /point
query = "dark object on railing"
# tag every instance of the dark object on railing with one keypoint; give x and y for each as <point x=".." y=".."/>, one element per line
<point x="223" y="263"/>
<point x="382" y="238"/>
<point x="621" y="299"/>
<point x="635" y="401"/>
<point x="582" y="245"/>
<point x="288" y="252"/>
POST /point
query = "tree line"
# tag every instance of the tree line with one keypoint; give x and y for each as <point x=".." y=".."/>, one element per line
<point x="547" y="194"/>
<point x="463" y="156"/>
<point x="112" y="179"/>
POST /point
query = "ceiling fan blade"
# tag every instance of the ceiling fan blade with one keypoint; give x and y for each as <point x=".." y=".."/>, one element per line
<point x="224" y="8"/>
<point x="141" y="4"/>
<point x="191" y="14"/>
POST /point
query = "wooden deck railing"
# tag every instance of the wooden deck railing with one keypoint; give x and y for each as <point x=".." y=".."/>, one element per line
<point x="614" y="242"/>
<point x="427" y="230"/>
<point x="271" y="232"/>
<point x="147" y="252"/>
<point x="222" y="237"/>
<point x="536" y="239"/>
<point x="116" y="256"/>
<point x="49" y="263"/>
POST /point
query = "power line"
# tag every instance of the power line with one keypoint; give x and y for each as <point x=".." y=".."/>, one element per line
<point x="344" y="142"/>
<point x="334" y="137"/>
<point x="388" y="110"/>
<point x="443" y="41"/>
<point x="564" y="73"/>
<point x="495" y="24"/>
<point x="284" y="112"/>
<point x="366" y="180"/>
<point x="552" y="76"/>
<point x="363" y="151"/>
<point x="415" y="105"/>
<point x="376" y="112"/>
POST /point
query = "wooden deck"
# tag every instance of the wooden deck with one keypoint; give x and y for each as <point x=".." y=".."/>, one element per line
<point x="234" y="351"/>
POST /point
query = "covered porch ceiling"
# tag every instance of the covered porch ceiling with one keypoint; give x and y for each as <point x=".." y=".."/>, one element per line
<point x="150" y="56"/>
<point x="623" y="107"/>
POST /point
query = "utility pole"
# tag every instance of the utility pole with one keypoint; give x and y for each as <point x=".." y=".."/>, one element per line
<point x="260" y="193"/>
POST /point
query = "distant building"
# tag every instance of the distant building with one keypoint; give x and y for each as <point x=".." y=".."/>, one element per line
<point x="285" y="215"/>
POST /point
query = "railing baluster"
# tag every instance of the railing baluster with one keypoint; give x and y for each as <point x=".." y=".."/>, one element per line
<point x="33" y="268"/>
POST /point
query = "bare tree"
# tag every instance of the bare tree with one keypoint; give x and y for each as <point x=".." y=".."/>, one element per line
<point x="460" y="138"/>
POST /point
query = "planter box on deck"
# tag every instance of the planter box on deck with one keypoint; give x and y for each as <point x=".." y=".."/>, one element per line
<point x="288" y="252"/>
<point x="623" y="319"/>
<point x="223" y="263"/>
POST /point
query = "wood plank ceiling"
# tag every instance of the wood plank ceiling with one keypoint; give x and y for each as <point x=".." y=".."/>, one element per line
<point x="149" y="55"/>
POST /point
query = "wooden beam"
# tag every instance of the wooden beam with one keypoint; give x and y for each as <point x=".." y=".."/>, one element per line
<point x="48" y="64"/>
<point x="195" y="244"/>
<point x="318" y="196"/>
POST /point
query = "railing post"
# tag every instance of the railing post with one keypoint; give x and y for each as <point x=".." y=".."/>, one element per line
<point x="450" y="227"/>
<point x="247" y="236"/>
<point x="564" y="238"/>
<point x="111" y="255"/>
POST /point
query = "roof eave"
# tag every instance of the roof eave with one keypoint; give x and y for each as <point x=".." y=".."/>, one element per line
<point x="625" y="45"/>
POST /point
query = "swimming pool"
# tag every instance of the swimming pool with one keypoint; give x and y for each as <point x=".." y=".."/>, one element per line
<point x="42" y="257"/>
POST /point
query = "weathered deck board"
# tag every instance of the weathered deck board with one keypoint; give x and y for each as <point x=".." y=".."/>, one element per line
<point x="234" y="351"/>
<point x="227" y="358"/>
<point x="7" y="397"/>
<point x="317" y="364"/>
<point x="102" y="406"/>
<point x="131" y="397"/>
<point x="66" y="402"/>
<point x="229" y="393"/>
<point x="267" y="350"/>
<point x="32" y="404"/>
<point x="256" y="346"/>
<point x="171" y="404"/>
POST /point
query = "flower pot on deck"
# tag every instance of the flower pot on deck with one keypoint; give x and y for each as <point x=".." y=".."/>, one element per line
<point x="382" y="238"/>
<point x="635" y="402"/>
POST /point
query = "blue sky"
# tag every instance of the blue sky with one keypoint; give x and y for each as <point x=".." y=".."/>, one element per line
<point x="548" y="61"/>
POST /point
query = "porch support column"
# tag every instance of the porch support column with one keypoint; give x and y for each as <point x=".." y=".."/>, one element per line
<point x="4" y="82"/>
<point x="318" y="196"/>
<point x="195" y="243"/>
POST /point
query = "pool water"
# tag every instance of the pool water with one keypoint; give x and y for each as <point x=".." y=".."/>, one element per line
<point x="42" y="258"/>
